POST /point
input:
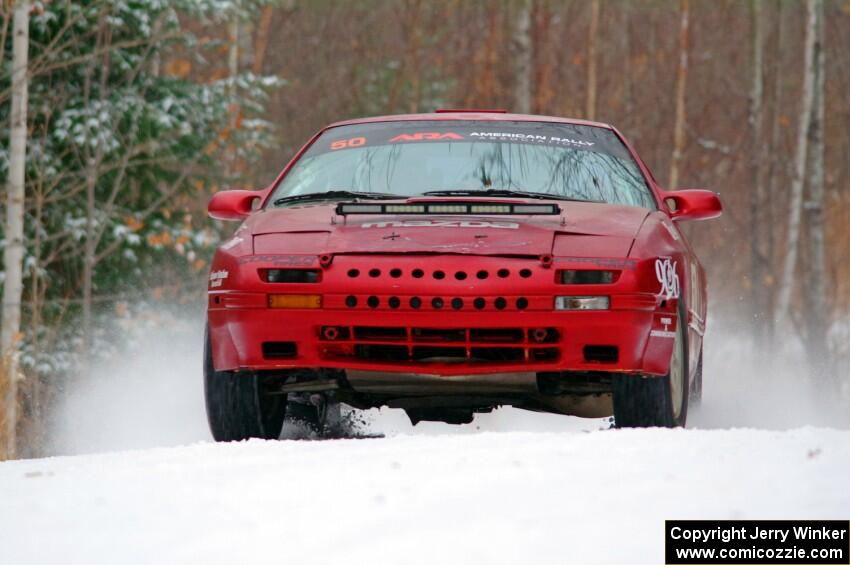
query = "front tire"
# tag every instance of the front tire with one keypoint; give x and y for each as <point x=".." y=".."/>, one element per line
<point x="237" y="406"/>
<point x="645" y="402"/>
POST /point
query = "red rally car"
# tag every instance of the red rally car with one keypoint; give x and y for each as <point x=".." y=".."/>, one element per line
<point x="451" y="263"/>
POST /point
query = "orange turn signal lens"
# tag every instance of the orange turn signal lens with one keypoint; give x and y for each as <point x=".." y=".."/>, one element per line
<point x="295" y="300"/>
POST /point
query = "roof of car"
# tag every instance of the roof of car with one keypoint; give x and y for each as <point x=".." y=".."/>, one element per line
<point x="482" y="115"/>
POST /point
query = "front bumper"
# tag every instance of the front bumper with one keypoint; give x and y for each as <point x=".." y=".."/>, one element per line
<point x="497" y="315"/>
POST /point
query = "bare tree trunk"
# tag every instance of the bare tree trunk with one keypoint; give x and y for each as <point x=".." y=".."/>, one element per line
<point x="626" y="56"/>
<point x="232" y="71"/>
<point x="541" y="24"/>
<point x="777" y="163"/>
<point x="88" y="260"/>
<point x="93" y="160"/>
<point x="592" y="35"/>
<point x="34" y="424"/>
<point x="817" y="317"/>
<point x="414" y="41"/>
<point x="758" y="306"/>
<point x="13" y="254"/>
<point x="681" y="84"/>
<point x="261" y="42"/>
<point x="792" y="239"/>
<point x="233" y="48"/>
<point x="523" y="71"/>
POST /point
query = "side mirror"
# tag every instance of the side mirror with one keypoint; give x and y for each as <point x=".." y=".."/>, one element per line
<point x="693" y="204"/>
<point x="233" y="205"/>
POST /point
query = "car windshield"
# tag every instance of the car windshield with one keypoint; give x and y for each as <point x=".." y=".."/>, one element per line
<point x="410" y="158"/>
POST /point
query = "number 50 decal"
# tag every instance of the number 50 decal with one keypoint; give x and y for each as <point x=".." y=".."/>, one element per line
<point x="343" y="143"/>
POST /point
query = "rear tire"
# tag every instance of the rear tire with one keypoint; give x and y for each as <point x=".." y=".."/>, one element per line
<point x="645" y="402"/>
<point x="696" y="389"/>
<point x="237" y="406"/>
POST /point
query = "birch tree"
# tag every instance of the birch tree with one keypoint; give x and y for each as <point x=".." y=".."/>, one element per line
<point x="795" y="203"/>
<point x="13" y="252"/>
<point x="817" y="347"/>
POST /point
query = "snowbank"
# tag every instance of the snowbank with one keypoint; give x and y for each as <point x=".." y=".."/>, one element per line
<point x="492" y="497"/>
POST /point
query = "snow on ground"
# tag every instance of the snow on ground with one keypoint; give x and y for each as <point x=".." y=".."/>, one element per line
<point x="493" y="497"/>
<point x="513" y="486"/>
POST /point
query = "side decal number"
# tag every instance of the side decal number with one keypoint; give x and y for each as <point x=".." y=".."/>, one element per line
<point x="665" y="270"/>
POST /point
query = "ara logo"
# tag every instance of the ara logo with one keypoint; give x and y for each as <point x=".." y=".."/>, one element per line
<point x="665" y="270"/>
<point x="442" y="224"/>
<point x="426" y="136"/>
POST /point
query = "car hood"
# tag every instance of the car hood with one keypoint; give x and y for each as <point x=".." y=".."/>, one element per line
<point x="582" y="229"/>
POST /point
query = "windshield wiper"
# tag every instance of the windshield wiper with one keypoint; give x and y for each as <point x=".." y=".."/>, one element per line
<point x="337" y="195"/>
<point x="506" y="193"/>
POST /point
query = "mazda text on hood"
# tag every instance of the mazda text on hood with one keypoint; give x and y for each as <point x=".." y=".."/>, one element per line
<point x="452" y="263"/>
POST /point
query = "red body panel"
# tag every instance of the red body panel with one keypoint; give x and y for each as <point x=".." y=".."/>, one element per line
<point x="630" y="240"/>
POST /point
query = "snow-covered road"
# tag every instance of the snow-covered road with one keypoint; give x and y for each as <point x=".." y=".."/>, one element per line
<point x="512" y="487"/>
<point x="487" y="497"/>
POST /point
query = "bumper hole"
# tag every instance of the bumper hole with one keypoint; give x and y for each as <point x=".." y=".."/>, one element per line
<point x="279" y="349"/>
<point x="601" y="353"/>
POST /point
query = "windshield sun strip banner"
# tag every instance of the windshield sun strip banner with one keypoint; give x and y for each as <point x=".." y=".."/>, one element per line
<point x="549" y="134"/>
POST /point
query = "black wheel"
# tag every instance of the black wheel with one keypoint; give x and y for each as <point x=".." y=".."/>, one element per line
<point x="644" y="402"/>
<point x="237" y="406"/>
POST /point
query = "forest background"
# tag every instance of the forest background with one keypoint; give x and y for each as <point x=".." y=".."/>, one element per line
<point x="136" y="111"/>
